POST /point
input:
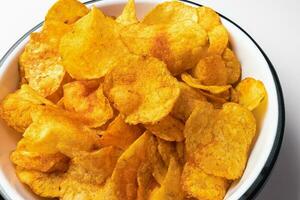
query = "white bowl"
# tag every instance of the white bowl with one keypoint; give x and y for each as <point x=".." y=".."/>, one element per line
<point x="254" y="63"/>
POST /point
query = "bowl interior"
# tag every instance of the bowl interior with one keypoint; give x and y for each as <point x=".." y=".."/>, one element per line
<point x="253" y="64"/>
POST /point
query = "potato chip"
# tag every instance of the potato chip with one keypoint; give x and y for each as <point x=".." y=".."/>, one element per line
<point x="66" y="11"/>
<point x="211" y="70"/>
<point x="195" y="83"/>
<point x="87" y="99"/>
<point x="170" y="12"/>
<point x="128" y="15"/>
<point x="171" y="187"/>
<point x="179" y="45"/>
<point x="93" y="47"/>
<point x="167" y="150"/>
<point x="54" y="131"/>
<point x="208" y="18"/>
<point x="218" y="40"/>
<point x="42" y="184"/>
<point x="168" y="128"/>
<point x="233" y="66"/>
<point x="16" y="108"/>
<point x="142" y="90"/>
<point x="200" y="185"/>
<point x="233" y="129"/>
<point x="215" y="99"/>
<point x="188" y="99"/>
<point x="145" y="181"/>
<point x="120" y="134"/>
<point x="251" y="93"/>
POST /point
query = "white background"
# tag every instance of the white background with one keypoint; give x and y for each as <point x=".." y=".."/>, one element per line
<point x="274" y="24"/>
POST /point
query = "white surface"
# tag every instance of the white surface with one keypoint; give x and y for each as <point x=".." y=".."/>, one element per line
<point x="273" y="24"/>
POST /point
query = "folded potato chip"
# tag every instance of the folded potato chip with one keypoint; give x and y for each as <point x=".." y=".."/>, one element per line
<point x="208" y="18"/>
<point x="250" y="93"/>
<point x="218" y="40"/>
<point x="120" y="134"/>
<point x="87" y="98"/>
<point x="179" y="45"/>
<point x="196" y="83"/>
<point x="233" y="66"/>
<point x="169" y="129"/>
<point x="93" y="47"/>
<point x="200" y="185"/>
<point x="128" y="15"/>
<point x="16" y="108"/>
<point x="170" y="12"/>
<point x="142" y="89"/>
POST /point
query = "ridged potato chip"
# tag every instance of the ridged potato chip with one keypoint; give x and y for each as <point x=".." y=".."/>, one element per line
<point x="218" y="40"/>
<point x="200" y="185"/>
<point x="251" y="93"/>
<point x="170" y="12"/>
<point x="87" y="99"/>
<point x="120" y="134"/>
<point x="128" y="15"/>
<point x="233" y="66"/>
<point x="208" y="18"/>
<point x="211" y="70"/>
<point x="142" y="89"/>
<point x="179" y="45"/>
<point x="171" y="186"/>
<point x="16" y="108"/>
<point x="42" y="184"/>
<point x="93" y="47"/>
<point x="196" y="83"/>
<point x="169" y="129"/>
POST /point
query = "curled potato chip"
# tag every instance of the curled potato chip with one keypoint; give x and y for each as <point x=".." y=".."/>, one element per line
<point x="142" y="90"/>
<point x="208" y="18"/>
<point x="66" y="11"/>
<point x="186" y="102"/>
<point x="218" y="40"/>
<point x="16" y="108"/>
<point x="168" y="128"/>
<point x="179" y="45"/>
<point x="120" y="134"/>
<point x="171" y="186"/>
<point x="200" y="185"/>
<point x="55" y="130"/>
<point x="251" y="93"/>
<point x="87" y="99"/>
<point x="195" y="83"/>
<point x="211" y="70"/>
<point x="170" y="12"/>
<point x="233" y="66"/>
<point x="128" y="15"/>
<point x="233" y="129"/>
<point x="93" y="47"/>
<point x="42" y="184"/>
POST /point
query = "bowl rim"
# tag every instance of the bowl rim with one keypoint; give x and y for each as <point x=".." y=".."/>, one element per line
<point x="261" y="179"/>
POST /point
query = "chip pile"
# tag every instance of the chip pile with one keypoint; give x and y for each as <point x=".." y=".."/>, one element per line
<point x="122" y="109"/>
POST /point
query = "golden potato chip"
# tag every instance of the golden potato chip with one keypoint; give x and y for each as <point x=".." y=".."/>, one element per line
<point x="167" y="150"/>
<point x="179" y="45"/>
<point x="120" y="134"/>
<point x="145" y="181"/>
<point x="54" y="131"/>
<point x="42" y="184"/>
<point x="234" y="96"/>
<point x="208" y="18"/>
<point x="142" y="90"/>
<point x="87" y="99"/>
<point x="93" y="47"/>
<point x="186" y="102"/>
<point x="251" y="93"/>
<point x="171" y="187"/>
<point x="168" y="128"/>
<point x="128" y="15"/>
<point x="180" y="149"/>
<point x="196" y="83"/>
<point x="211" y="70"/>
<point x="233" y="129"/>
<point x="170" y="12"/>
<point x="215" y="99"/>
<point x="159" y="167"/>
<point x="233" y="66"/>
<point x="218" y="40"/>
<point x="66" y="11"/>
<point x="16" y="108"/>
<point x="200" y="185"/>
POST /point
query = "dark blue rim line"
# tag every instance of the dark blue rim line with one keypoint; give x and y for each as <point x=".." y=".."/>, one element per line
<point x="264" y="174"/>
